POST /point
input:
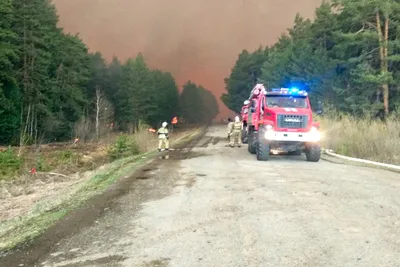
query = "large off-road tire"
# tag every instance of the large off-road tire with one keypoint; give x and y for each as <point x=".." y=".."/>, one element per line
<point x="244" y="136"/>
<point x="251" y="146"/>
<point x="263" y="150"/>
<point x="313" y="152"/>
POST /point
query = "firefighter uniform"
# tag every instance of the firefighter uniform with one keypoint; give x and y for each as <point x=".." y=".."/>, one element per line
<point x="163" y="137"/>
<point x="236" y="133"/>
<point x="230" y="125"/>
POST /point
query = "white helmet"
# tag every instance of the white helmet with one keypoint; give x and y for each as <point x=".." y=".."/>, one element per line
<point x="237" y="119"/>
<point x="164" y="124"/>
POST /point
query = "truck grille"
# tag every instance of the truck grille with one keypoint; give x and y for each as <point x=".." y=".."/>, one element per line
<point x="292" y="121"/>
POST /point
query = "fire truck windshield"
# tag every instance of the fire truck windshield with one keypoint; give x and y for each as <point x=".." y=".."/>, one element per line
<point x="279" y="101"/>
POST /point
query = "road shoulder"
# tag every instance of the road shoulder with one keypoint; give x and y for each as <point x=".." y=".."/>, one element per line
<point x="71" y="217"/>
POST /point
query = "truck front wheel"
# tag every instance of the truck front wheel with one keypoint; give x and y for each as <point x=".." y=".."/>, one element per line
<point x="313" y="152"/>
<point x="263" y="150"/>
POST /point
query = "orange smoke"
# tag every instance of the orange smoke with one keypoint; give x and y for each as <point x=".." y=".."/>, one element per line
<point x="196" y="40"/>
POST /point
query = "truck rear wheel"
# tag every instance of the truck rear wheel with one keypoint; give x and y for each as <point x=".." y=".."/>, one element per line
<point x="244" y="136"/>
<point x="313" y="153"/>
<point x="251" y="144"/>
<point x="263" y="150"/>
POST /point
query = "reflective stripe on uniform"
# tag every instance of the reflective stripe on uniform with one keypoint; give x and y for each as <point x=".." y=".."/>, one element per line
<point x="237" y="126"/>
<point x="162" y="133"/>
<point x="163" y="130"/>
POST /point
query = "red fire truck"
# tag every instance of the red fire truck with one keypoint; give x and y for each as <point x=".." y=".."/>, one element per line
<point x="244" y="114"/>
<point x="281" y="120"/>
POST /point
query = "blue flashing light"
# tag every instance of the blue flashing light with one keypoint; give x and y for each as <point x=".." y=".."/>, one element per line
<point x="296" y="91"/>
<point x="290" y="91"/>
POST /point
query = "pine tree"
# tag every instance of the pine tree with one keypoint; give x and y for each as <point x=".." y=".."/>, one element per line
<point x="9" y="93"/>
<point x="126" y="110"/>
<point x="69" y="75"/>
<point x="198" y="105"/>
<point x="370" y="27"/>
<point x="35" y="20"/>
<point x="244" y="76"/>
<point x="165" y="97"/>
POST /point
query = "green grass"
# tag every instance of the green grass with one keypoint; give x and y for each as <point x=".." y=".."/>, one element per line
<point x="47" y="212"/>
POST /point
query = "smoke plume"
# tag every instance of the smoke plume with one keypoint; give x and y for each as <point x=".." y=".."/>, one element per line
<point x="196" y="40"/>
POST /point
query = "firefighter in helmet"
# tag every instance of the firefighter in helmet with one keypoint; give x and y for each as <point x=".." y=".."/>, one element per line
<point x="163" y="137"/>
<point x="236" y="132"/>
<point x="230" y="124"/>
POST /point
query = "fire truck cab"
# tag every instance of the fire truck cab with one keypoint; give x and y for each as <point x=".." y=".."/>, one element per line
<point x="280" y="120"/>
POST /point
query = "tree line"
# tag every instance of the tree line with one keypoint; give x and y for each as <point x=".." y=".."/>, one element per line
<point x="348" y="58"/>
<point x="53" y="89"/>
<point x="198" y="104"/>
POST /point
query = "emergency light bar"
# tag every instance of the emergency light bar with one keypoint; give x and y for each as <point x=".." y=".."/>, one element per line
<point x="291" y="91"/>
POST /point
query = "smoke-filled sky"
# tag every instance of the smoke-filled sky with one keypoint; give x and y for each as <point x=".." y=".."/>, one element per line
<point x="196" y="40"/>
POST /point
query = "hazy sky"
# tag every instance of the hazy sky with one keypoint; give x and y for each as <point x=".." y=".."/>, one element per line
<point x="193" y="39"/>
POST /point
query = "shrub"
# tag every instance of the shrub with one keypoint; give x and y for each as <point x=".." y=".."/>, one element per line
<point x="10" y="163"/>
<point x="123" y="147"/>
<point x="41" y="164"/>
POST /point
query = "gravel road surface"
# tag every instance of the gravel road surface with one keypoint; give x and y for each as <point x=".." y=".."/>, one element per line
<point x="218" y="206"/>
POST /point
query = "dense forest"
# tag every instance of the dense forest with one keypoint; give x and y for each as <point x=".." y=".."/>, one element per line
<point x="53" y="89"/>
<point x="198" y="104"/>
<point x="348" y="58"/>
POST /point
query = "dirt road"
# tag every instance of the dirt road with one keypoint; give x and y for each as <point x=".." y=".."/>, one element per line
<point x="218" y="206"/>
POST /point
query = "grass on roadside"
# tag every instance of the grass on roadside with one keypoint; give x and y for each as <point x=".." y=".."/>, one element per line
<point x="362" y="138"/>
<point x="47" y="212"/>
<point x="50" y="209"/>
<point x="68" y="158"/>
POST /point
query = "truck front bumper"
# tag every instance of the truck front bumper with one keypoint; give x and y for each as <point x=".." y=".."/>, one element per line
<point x="306" y="137"/>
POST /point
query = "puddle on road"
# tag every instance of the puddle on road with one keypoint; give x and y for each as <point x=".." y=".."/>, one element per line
<point x="163" y="262"/>
<point x="212" y="140"/>
<point x="150" y="169"/>
<point x="142" y="178"/>
<point x="112" y="260"/>
<point x="207" y="142"/>
<point x="182" y="156"/>
<point x="190" y="182"/>
<point x="216" y="140"/>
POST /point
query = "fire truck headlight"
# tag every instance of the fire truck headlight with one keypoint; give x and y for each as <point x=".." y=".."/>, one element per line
<point x="269" y="127"/>
<point x="315" y="134"/>
<point x="269" y="134"/>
